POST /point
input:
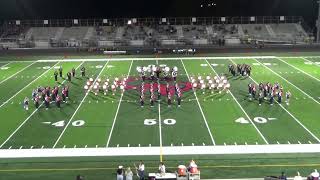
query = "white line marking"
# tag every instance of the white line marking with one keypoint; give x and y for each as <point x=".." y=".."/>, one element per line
<point x="17" y="73"/>
<point x="116" y="115"/>
<point x="288" y="82"/>
<point x="254" y="125"/>
<point x="28" y="117"/>
<point x="75" y="112"/>
<point x="28" y="85"/>
<point x="160" y="128"/>
<point x="195" y="94"/>
<point x="309" y="61"/>
<point x="314" y="136"/>
<point x="299" y="69"/>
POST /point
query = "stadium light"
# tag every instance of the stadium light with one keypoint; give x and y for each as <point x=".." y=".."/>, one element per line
<point x="129" y="22"/>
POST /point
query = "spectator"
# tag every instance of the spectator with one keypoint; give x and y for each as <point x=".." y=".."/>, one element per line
<point x="297" y="177"/>
<point x="129" y="174"/>
<point x="314" y="175"/>
<point x="283" y="176"/>
<point x="120" y="173"/>
<point x="162" y="169"/>
<point x="79" y="177"/>
<point x="141" y="170"/>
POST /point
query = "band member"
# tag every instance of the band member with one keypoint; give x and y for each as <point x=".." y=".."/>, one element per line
<point x="159" y="90"/>
<point x="26" y="103"/>
<point x="83" y="71"/>
<point x="254" y="91"/>
<point x="64" y="95"/>
<point x="272" y="94"/>
<point x="67" y="91"/>
<point x="73" y="72"/>
<point x="53" y="95"/>
<point x="169" y="100"/>
<point x="69" y="76"/>
<point x="288" y="96"/>
<point x="280" y="96"/>
<point x="58" y="101"/>
<point x="152" y="99"/>
<point x="174" y="75"/>
<point x="179" y="99"/>
<point x="55" y="75"/>
<point x="260" y="98"/>
<point x="143" y="75"/>
<point x="250" y="90"/>
<point x="47" y="102"/>
<point x="37" y="101"/>
<point x="141" y="101"/>
<point x="158" y="71"/>
<point x="60" y="71"/>
<point x="167" y="89"/>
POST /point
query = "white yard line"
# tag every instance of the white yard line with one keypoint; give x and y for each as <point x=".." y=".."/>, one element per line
<point x="27" y="119"/>
<point x="75" y="112"/>
<point x="160" y="128"/>
<point x="116" y="115"/>
<point x="6" y="64"/>
<point x="254" y="125"/>
<point x="298" y="69"/>
<point x="298" y="121"/>
<point x="287" y="81"/>
<point x="28" y="85"/>
<point x="204" y="117"/>
<point x="17" y="73"/>
<point x="310" y="61"/>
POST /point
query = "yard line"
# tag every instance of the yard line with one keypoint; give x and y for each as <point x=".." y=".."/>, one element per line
<point x="29" y="117"/>
<point x="28" y="85"/>
<point x="298" y="121"/>
<point x="299" y="69"/>
<point x="254" y="125"/>
<point x="160" y="131"/>
<point x="288" y="81"/>
<point x="204" y="117"/>
<point x="116" y="115"/>
<point x="310" y="61"/>
<point x="75" y="112"/>
<point x="4" y="65"/>
<point x="17" y="72"/>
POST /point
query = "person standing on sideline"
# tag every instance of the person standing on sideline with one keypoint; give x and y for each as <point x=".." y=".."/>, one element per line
<point x="69" y="76"/>
<point x="120" y="173"/>
<point x="141" y="170"/>
<point x="83" y="71"/>
<point x="129" y="174"/>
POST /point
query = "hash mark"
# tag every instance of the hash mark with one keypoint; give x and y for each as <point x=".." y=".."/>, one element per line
<point x="31" y="147"/>
<point x="149" y="145"/>
<point x="245" y="143"/>
<point x="278" y="142"/>
<point x="128" y="145"/>
<point x="235" y="143"/>
<point x="64" y="146"/>
<point x="299" y="142"/>
<point x="171" y="144"/>
<point x="20" y="147"/>
<point x="139" y="145"/>
<point x="310" y="142"/>
<point x="117" y="145"/>
<point x="42" y="147"/>
<point x="289" y="142"/>
<point x="85" y="146"/>
<point x="10" y="147"/>
<point x="96" y="146"/>
<point x="192" y="144"/>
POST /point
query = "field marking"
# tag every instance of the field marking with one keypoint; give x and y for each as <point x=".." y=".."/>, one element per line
<point x="5" y="64"/>
<point x="298" y="121"/>
<point x="154" y="151"/>
<point x="75" y="112"/>
<point x="17" y="73"/>
<point x="288" y="82"/>
<point x="254" y="125"/>
<point x="309" y="61"/>
<point x="116" y="115"/>
<point x="160" y="131"/>
<point x="195" y="94"/>
<point x="17" y="129"/>
<point x="299" y="69"/>
<point x="152" y="58"/>
<point x="28" y="85"/>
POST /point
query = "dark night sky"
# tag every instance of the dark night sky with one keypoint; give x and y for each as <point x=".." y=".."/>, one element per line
<point x="41" y="9"/>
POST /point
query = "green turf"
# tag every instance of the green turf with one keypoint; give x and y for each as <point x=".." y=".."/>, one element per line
<point x="111" y="122"/>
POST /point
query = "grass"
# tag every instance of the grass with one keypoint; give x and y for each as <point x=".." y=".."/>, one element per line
<point x="118" y="120"/>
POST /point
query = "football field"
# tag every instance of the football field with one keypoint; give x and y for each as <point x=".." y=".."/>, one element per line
<point x="204" y="118"/>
